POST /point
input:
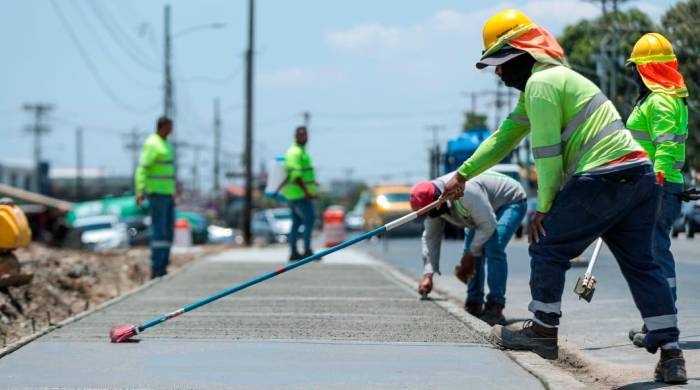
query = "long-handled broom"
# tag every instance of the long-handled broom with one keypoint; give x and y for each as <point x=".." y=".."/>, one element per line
<point x="124" y="333"/>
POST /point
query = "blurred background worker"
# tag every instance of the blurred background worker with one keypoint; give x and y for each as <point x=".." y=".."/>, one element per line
<point x="659" y="122"/>
<point x="300" y="190"/>
<point x="155" y="179"/>
<point x="492" y="207"/>
<point x="594" y="181"/>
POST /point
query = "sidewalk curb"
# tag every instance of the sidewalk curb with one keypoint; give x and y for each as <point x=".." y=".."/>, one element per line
<point x="28" y="339"/>
<point x="553" y="375"/>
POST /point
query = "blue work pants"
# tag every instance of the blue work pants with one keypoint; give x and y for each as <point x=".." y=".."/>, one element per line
<point x="621" y="208"/>
<point x="509" y="217"/>
<point x="669" y="211"/>
<point x="302" y="215"/>
<point x="162" y="210"/>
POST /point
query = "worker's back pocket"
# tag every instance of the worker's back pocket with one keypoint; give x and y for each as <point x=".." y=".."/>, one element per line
<point x="605" y="196"/>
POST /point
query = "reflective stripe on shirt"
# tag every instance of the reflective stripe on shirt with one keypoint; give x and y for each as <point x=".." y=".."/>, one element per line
<point x="679" y="138"/>
<point x="547" y="151"/>
<point x="610" y="128"/>
<point x="596" y="101"/>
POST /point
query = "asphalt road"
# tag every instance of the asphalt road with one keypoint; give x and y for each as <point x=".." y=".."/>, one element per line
<point x="598" y="329"/>
<point x="340" y="323"/>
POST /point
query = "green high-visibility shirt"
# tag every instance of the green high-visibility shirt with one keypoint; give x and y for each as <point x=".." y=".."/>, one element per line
<point x="660" y="124"/>
<point x="574" y="130"/>
<point x="298" y="165"/>
<point x="156" y="172"/>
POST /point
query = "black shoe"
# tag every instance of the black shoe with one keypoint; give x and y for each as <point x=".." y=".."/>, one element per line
<point x="308" y="253"/>
<point x="475" y="309"/>
<point x="493" y="314"/>
<point x="671" y="367"/>
<point x="295" y="256"/>
<point x="532" y="337"/>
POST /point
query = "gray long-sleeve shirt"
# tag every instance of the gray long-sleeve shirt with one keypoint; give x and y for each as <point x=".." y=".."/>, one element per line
<point x="483" y="196"/>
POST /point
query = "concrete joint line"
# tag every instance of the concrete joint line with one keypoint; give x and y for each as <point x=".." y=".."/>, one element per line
<point x="551" y="375"/>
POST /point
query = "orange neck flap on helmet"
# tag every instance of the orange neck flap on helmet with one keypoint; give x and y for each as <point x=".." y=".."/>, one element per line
<point x="663" y="77"/>
<point x="535" y="40"/>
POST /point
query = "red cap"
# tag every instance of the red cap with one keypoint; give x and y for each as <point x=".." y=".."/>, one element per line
<point x="422" y="194"/>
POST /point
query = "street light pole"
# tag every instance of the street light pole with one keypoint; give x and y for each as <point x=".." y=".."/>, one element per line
<point x="248" y="154"/>
<point x="168" y="97"/>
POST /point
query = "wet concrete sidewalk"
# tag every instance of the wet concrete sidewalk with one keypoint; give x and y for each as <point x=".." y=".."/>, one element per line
<point x="339" y="323"/>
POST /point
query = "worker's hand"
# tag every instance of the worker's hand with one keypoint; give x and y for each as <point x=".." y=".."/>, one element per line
<point x="139" y="199"/>
<point x="454" y="189"/>
<point x="535" y="230"/>
<point x="310" y="196"/>
<point x="426" y="285"/>
<point x="465" y="270"/>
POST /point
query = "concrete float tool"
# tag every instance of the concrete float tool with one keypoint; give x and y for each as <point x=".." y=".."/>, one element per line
<point x="585" y="286"/>
<point x="124" y="333"/>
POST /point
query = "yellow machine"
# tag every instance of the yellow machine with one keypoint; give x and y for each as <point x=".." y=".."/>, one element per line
<point x="14" y="233"/>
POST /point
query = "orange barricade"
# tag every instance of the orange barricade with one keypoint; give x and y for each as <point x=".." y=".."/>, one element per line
<point x="333" y="227"/>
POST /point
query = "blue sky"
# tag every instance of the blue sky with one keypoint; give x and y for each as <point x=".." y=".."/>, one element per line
<point x="373" y="74"/>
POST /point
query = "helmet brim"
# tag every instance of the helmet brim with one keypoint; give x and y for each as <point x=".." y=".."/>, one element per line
<point x="500" y="57"/>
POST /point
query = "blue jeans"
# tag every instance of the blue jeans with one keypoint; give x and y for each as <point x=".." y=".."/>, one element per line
<point x="508" y="217"/>
<point x="162" y="210"/>
<point x="621" y="208"/>
<point x="302" y="214"/>
<point x="669" y="211"/>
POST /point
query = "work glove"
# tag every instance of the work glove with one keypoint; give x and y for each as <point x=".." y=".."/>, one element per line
<point x="689" y="194"/>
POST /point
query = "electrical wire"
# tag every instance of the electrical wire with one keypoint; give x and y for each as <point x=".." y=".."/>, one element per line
<point x="112" y="58"/>
<point x="91" y="66"/>
<point x="133" y="52"/>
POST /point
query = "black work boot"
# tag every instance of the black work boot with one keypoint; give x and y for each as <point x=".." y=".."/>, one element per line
<point x="295" y="256"/>
<point x="475" y="309"/>
<point x="671" y="367"/>
<point x="532" y="337"/>
<point x="493" y="314"/>
<point x="637" y="335"/>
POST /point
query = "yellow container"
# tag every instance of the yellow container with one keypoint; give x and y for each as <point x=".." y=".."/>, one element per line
<point x="14" y="228"/>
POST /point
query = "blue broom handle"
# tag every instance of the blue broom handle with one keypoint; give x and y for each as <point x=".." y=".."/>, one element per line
<point x="389" y="226"/>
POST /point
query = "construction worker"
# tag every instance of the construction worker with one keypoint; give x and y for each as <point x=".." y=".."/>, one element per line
<point x="659" y="122"/>
<point x="492" y="207"/>
<point x="594" y="181"/>
<point x="155" y="179"/>
<point x="300" y="190"/>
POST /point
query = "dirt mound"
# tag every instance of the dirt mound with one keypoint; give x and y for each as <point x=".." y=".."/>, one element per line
<point x="67" y="282"/>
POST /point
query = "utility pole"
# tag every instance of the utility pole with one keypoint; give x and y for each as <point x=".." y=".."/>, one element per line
<point x="132" y="143"/>
<point x="306" y="115"/>
<point x="38" y="128"/>
<point x="168" y="94"/>
<point x="195" y="167"/>
<point x="78" y="163"/>
<point x="217" y="147"/>
<point x="435" y="150"/>
<point x="248" y="155"/>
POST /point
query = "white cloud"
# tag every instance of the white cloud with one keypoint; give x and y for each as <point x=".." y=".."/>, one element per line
<point x="300" y="76"/>
<point x="454" y="26"/>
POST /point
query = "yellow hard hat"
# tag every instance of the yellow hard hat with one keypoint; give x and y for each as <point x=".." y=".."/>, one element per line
<point x="651" y="47"/>
<point x="501" y="24"/>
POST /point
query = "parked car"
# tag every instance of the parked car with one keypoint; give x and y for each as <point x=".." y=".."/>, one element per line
<point x="385" y="203"/>
<point x="680" y="225"/>
<point x="273" y="225"/>
<point x="692" y="218"/>
<point x="355" y="219"/>
<point x="138" y="229"/>
<point x="98" y="233"/>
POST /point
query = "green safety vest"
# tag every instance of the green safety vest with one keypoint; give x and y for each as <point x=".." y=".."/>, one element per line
<point x="660" y="124"/>
<point x="575" y="129"/>
<point x="156" y="172"/>
<point x="298" y="164"/>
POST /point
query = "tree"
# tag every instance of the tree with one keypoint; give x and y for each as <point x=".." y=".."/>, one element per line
<point x="583" y="42"/>
<point x="681" y="27"/>
<point x="473" y="120"/>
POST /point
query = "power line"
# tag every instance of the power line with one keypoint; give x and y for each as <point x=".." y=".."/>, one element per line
<point x="91" y="66"/>
<point x="104" y="48"/>
<point x="112" y="28"/>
